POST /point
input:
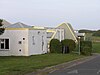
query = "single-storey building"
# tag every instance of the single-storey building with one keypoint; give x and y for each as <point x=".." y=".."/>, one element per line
<point x="61" y="32"/>
<point x="22" y="40"/>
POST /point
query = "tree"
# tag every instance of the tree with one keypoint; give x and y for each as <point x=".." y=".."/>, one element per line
<point x="97" y="33"/>
<point x="1" y="29"/>
<point x="1" y="22"/>
<point x="85" y="31"/>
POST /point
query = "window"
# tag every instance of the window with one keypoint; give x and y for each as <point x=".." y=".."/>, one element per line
<point x="20" y="50"/>
<point x="38" y="32"/>
<point x="49" y="34"/>
<point x="4" y="44"/>
<point x="33" y="39"/>
<point x="20" y="42"/>
<point x="23" y="38"/>
<point x="42" y="42"/>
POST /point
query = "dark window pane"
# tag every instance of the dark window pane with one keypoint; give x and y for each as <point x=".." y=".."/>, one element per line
<point x="23" y="38"/>
<point x="20" y="42"/>
<point x="2" y="45"/>
<point x="6" y="43"/>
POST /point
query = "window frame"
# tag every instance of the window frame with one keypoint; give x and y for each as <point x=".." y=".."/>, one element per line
<point x="4" y="49"/>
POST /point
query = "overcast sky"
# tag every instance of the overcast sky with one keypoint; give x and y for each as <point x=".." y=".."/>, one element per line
<point x="82" y="14"/>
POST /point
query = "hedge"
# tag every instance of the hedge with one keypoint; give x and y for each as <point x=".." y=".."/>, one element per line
<point x="69" y="43"/>
<point x="55" y="46"/>
<point x="86" y="47"/>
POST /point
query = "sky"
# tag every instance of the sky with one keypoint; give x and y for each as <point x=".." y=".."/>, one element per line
<point x="81" y="14"/>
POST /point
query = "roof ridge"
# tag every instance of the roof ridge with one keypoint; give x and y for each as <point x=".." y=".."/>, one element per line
<point x="21" y="24"/>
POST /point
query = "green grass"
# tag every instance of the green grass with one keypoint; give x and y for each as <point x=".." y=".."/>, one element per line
<point x="96" y="42"/>
<point x="23" y="65"/>
<point x="96" y="47"/>
<point x="95" y="39"/>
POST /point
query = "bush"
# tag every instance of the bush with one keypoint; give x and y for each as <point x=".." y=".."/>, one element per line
<point x="55" y="46"/>
<point x="69" y="44"/>
<point x="86" y="47"/>
<point x="86" y="51"/>
<point x="86" y="43"/>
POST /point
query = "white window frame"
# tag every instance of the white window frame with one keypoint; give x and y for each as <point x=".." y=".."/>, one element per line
<point x="4" y="44"/>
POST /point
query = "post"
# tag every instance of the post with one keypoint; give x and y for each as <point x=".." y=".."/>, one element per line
<point x="79" y="45"/>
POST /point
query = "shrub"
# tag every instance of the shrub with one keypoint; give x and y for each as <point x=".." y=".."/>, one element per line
<point x="86" y="43"/>
<point x="55" y="46"/>
<point x="86" y="47"/>
<point x="69" y="44"/>
<point x="86" y="51"/>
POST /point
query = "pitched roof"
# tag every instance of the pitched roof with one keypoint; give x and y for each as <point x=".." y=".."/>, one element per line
<point x="69" y="32"/>
<point x="19" y="25"/>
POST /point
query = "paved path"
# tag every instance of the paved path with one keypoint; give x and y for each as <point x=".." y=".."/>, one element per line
<point x="91" y="67"/>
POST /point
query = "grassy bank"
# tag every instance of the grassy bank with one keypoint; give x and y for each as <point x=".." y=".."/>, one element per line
<point x="23" y="65"/>
<point x="96" y="47"/>
<point x="96" y="42"/>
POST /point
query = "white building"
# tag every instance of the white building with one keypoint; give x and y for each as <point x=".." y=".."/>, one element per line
<point x="81" y="35"/>
<point x="68" y="31"/>
<point x="22" y="40"/>
<point x="61" y="32"/>
<point x="55" y="33"/>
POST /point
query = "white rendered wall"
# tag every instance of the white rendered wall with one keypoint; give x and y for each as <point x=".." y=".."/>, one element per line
<point x="14" y="37"/>
<point x="35" y="44"/>
<point x="59" y="34"/>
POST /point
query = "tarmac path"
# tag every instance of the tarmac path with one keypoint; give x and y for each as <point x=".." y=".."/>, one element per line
<point x="91" y="67"/>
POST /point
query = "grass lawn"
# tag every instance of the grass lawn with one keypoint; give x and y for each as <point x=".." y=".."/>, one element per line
<point x="96" y="44"/>
<point x="96" y="47"/>
<point x="23" y="65"/>
<point x="95" y="39"/>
